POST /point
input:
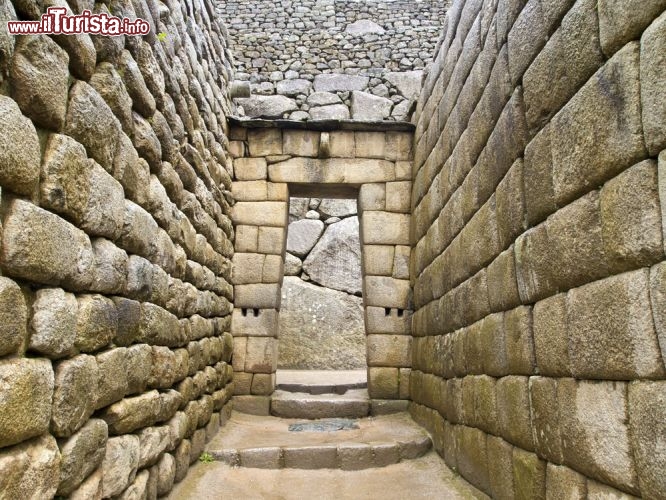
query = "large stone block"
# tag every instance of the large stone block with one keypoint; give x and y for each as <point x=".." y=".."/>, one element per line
<point x="562" y="482"/>
<point x="38" y="254"/>
<point x="159" y="327"/>
<point x="519" y="341"/>
<point x="19" y="150"/>
<point x="302" y="236"/>
<point x="264" y="142"/>
<point x="81" y="455"/>
<point x="653" y="87"/>
<point x="631" y="218"/>
<point x="341" y="143"/>
<point x="647" y="429"/>
<point x="383" y="291"/>
<point x="133" y="413"/>
<point x="595" y="436"/>
<point x="267" y="106"/>
<point x="250" y="169"/>
<point x="502" y="282"/>
<point x="500" y="467"/>
<point x="120" y="464"/>
<point x="378" y="321"/>
<point x="110" y="267"/>
<point x="551" y="339"/>
<point x="26" y="389"/>
<point x="30" y="469"/>
<point x="39" y="80"/>
<point x="91" y="122"/>
<point x="13" y="317"/>
<point x="599" y="132"/>
<point x="300" y="143"/>
<point x="472" y="457"/>
<point x="267" y="213"/>
<point x="398" y="196"/>
<point x="546" y="418"/>
<point x="529" y="475"/>
<point x="112" y="368"/>
<point x="372" y="197"/>
<point x="104" y="211"/>
<point x="513" y="408"/>
<point x="244" y="323"/>
<point x="568" y="60"/>
<point x="383" y="383"/>
<point x="340" y="82"/>
<point x="621" y="343"/>
<point x="384" y="228"/>
<point x="261" y="355"/>
<point x="109" y="84"/>
<point x="389" y="350"/>
<point x="623" y="21"/>
<point x="76" y="380"/>
<point x="97" y="322"/>
<point x="129" y="320"/>
<point x="331" y="171"/>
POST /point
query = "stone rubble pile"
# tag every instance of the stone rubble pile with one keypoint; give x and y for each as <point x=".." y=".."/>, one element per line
<point x="332" y="59"/>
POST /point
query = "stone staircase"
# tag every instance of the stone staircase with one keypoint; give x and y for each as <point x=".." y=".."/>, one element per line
<point x="326" y="422"/>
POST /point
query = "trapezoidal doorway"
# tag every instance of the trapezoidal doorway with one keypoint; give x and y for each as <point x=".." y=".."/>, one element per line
<point x="373" y="167"/>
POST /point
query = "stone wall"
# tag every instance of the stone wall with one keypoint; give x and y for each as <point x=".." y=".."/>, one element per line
<point x="538" y="232"/>
<point x="115" y="253"/>
<point x="332" y="59"/>
<point x="321" y="312"/>
<point x="270" y="164"/>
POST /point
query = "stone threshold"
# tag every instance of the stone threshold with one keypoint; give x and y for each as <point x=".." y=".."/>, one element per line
<point x="323" y="125"/>
<point x="267" y="443"/>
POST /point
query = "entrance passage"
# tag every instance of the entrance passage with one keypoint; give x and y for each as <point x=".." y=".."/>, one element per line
<point x="321" y="325"/>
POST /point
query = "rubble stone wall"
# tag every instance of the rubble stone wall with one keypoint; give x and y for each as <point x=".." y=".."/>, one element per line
<point x="270" y="164"/>
<point x="332" y="59"/>
<point x="538" y="260"/>
<point x="116" y="247"/>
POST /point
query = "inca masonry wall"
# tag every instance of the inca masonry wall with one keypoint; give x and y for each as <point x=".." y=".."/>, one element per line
<point x="115" y="257"/>
<point x="538" y="261"/>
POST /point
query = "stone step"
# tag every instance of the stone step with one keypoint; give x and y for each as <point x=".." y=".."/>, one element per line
<point x="267" y="442"/>
<point x="321" y="381"/>
<point x="354" y="403"/>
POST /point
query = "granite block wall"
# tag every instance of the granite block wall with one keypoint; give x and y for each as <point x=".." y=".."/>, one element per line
<point x="538" y="248"/>
<point x="115" y="254"/>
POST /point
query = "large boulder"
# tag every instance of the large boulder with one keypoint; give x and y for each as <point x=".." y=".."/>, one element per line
<point x="330" y="112"/>
<point x="323" y="99"/>
<point x="328" y="334"/>
<point x="408" y="83"/>
<point x="302" y="236"/>
<point x="334" y="82"/>
<point x="269" y="106"/>
<point x="337" y="208"/>
<point x="335" y="262"/>
<point x="294" y="87"/>
<point x="368" y="107"/>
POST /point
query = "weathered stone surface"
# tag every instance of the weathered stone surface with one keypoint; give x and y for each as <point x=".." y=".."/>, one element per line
<point x="363" y="27"/>
<point x="39" y="80"/>
<point x="13" y="317"/>
<point x="294" y="87"/>
<point x="621" y="22"/>
<point x="368" y="107"/>
<point x="621" y="343"/>
<point x="562" y="482"/>
<point x="599" y="132"/>
<point x="81" y="455"/>
<point x="166" y="473"/>
<point x="269" y="106"/>
<point x="120" y="464"/>
<point x="529" y="475"/>
<point x="332" y="171"/>
<point x="302" y="236"/>
<point x="104" y="211"/>
<point x="387" y="292"/>
<point x="330" y="112"/>
<point x="112" y="385"/>
<point x="30" y="469"/>
<point x="323" y="99"/>
<point x="408" y="83"/>
<point x="90" y="489"/>
<point x="75" y="380"/>
<point x="133" y="413"/>
<point x="337" y="208"/>
<point x="595" y="437"/>
<point x="108" y="83"/>
<point x="328" y="334"/>
<point x="19" y="150"/>
<point x="383" y="228"/>
<point x="26" y="388"/>
<point x="335" y="261"/>
<point x="653" y="88"/>
<point x="647" y="414"/>
<point x="142" y="99"/>
<point x="292" y="265"/>
<point x="91" y="122"/>
<point x="97" y="322"/>
<point x="153" y="441"/>
<point x="340" y="83"/>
